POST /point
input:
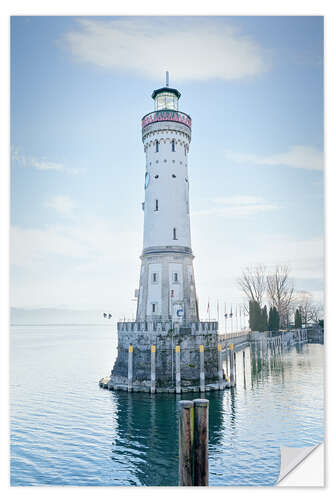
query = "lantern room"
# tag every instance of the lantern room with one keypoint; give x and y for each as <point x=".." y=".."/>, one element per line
<point x="166" y="98"/>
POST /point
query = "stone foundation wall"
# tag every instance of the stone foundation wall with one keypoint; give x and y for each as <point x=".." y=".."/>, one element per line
<point x="166" y="339"/>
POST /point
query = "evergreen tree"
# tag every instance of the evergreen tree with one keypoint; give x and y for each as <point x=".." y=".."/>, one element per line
<point x="274" y="319"/>
<point x="277" y="319"/>
<point x="251" y="315"/>
<point x="298" y="319"/>
<point x="264" y="319"/>
<point x="258" y="317"/>
<point x="271" y="319"/>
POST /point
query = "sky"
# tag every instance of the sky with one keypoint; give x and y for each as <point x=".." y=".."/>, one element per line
<point x="253" y="87"/>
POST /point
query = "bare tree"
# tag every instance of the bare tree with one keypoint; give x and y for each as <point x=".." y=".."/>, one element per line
<point x="309" y="309"/>
<point x="280" y="292"/>
<point x="253" y="283"/>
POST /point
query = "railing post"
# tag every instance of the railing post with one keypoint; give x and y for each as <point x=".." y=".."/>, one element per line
<point x="202" y="368"/>
<point x="153" y="370"/>
<point x="200" y="464"/>
<point x="178" y="383"/>
<point x="130" y="368"/>
<point x="186" y="431"/>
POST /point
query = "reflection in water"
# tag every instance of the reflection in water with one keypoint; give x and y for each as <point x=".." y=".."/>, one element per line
<point x="78" y="434"/>
<point x="244" y="433"/>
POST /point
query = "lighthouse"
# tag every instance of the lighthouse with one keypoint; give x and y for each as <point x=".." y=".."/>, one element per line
<point x="167" y="286"/>
<point x="167" y="348"/>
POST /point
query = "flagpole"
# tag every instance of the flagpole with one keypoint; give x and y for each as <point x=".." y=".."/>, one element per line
<point x="225" y="318"/>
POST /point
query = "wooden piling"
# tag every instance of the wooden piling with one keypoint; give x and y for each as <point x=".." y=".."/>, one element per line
<point x="130" y="368"/>
<point x="202" y="368"/>
<point x="227" y="360"/>
<point x="235" y="367"/>
<point x="153" y="369"/>
<point x="186" y="437"/>
<point x="231" y="364"/>
<point x="219" y="365"/>
<point x="200" y="462"/>
<point x="178" y="380"/>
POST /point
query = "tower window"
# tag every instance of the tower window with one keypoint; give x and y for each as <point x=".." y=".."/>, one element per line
<point x="173" y="145"/>
<point x="173" y="175"/>
<point x="174" y="233"/>
<point x="157" y="145"/>
<point x="156" y="205"/>
<point x="154" y="308"/>
<point x="175" y="277"/>
<point x="156" y="176"/>
<point x="154" y="277"/>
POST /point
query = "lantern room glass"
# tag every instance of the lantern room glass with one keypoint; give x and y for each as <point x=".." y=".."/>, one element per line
<point x="166" y="100"/>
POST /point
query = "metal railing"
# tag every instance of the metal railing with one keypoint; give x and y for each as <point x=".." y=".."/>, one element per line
<point x="232" y="335"/>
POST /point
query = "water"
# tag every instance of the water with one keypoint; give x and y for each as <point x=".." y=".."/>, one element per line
<point x="65" y="430"/>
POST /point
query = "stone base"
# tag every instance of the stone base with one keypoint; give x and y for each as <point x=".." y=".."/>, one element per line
<point x="108" y="383"/>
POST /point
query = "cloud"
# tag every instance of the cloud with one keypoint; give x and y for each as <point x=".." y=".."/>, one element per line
<point x="304" y="157"/>
<point x="237" y="206"/>
<point x="89" y="261"/>
<point x="190" y="48"/>
<point x="26" y="161"/>
<point x="62" y="204"/>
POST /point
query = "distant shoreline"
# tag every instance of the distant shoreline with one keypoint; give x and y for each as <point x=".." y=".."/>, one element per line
<point x="61" y="324"/>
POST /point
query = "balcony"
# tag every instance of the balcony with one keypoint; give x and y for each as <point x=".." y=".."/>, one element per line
<point x="167" y="115"/>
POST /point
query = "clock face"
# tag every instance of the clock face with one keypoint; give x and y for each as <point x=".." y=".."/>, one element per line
<point x="147" y="177"/>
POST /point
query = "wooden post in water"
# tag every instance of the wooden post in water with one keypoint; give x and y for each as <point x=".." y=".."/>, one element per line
<point x="219" y="365"/>
<point x="227" y="360"/>
<point x="244" y="368"/>
<point x="200" y="462"/>
<point x="130" y="368"/>
<point x="186" y="435"/>
<point x="153" y="370"/>
<point x="231" y="365"/>
<point x="235" y="367"/>
<point x="178" y="384"/>
<point x="202" y="368"/>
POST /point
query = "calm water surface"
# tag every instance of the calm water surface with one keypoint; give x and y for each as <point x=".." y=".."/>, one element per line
<point x="65" y="430"/>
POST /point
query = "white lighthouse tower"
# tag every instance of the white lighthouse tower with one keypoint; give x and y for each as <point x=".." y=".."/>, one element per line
<point x="167" y="348"/>
<point x="167" y="287"/>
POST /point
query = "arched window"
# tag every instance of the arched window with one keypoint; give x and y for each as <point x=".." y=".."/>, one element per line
<point x="173" y="145"/>
<point x="174" y="233"/>
<point x="157" y="144"/>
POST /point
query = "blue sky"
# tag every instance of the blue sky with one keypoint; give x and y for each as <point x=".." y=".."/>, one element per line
<point x="79" y="87"/>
